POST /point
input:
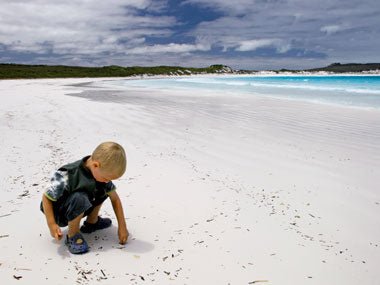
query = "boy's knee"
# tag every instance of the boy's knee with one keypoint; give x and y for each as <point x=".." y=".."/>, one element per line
<point x="78" y="203"/>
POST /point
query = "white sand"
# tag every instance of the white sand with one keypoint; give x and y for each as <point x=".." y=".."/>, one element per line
<point x="220" y="189"/>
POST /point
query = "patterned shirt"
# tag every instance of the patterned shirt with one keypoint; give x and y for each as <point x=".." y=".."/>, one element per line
<point x="60" y="182"/>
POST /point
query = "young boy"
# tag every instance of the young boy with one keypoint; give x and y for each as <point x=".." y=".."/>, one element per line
<point x="78" y="189"/>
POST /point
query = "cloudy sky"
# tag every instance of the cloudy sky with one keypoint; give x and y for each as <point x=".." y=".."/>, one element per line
<point x="247" y="34"/>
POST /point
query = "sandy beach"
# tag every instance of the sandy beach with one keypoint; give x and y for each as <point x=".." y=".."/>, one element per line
<point x="220" y="188"/>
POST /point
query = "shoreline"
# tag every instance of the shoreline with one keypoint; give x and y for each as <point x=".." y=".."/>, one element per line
<point x="161" y="76"/>
<point x="301" y="93"/>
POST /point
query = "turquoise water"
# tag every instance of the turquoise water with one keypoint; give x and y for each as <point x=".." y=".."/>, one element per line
<point x="354" y="91"/>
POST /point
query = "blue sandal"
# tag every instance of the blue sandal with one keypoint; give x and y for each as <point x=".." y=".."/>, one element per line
<point x="76" y="244"/>
<point x="102" y="223"/>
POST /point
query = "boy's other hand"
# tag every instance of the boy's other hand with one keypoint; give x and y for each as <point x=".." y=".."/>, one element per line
<point x="123" y="235"/>
<point x="56" y="232"/>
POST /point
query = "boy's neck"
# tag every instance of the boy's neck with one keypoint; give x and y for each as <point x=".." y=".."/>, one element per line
<point x="88" y="164"/>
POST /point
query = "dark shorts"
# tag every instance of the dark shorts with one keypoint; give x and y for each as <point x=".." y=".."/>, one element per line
<point x="74" y="205"/>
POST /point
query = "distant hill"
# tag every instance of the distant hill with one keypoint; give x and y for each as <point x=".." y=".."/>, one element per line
<point x="348" y="67"/>
<point x="332" y="68"/>
<point x="20" y="71"/>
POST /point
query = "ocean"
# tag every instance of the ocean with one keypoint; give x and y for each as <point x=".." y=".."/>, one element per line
<point x="362" y="91"/>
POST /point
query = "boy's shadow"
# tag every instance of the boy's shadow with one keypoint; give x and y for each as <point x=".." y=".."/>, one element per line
<point x="107" y="239"/>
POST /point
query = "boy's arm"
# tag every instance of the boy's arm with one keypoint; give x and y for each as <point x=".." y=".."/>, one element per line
<point x="118" y="209"/>
<point x="55" y="230"/>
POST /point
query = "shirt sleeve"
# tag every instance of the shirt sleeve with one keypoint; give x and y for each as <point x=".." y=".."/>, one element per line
<point x="58" y="184"/>
<point x="109" y="187"/>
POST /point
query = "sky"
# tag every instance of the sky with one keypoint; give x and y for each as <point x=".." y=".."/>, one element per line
<point x="243" y="34"/>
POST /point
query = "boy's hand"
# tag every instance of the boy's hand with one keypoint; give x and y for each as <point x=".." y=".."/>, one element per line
<point x="55" y="232"/>
<point x="123" y="235"/>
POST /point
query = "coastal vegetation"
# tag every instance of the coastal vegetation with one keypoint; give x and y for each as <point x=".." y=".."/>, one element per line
<point x="349" y="67"/>
<point x="21" y="71"/>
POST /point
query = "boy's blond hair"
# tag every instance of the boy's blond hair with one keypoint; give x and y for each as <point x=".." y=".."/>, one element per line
<point x="111" y="157"/>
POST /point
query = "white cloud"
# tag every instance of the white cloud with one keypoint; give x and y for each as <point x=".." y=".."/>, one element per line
<point x="169" y="48"/>
<point x="252" y="45"/>
<point x="79" y="27"/>
<point x="331" y="29"/>
<point x="303" y="27"/>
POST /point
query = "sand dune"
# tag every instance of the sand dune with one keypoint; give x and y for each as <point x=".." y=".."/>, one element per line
<point x="220" y="188"/>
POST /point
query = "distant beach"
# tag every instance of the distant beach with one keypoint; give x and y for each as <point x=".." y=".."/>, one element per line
<point x="222" y="187"/>
<point x="352" y="90"/>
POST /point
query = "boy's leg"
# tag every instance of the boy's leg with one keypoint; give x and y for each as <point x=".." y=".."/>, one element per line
<point x="92" y="217"/>
<point x="71" y="211"/>
<point x="94" y="222"/>
<point x="74" y="239"/>
<point x="74" y="207"/>
<point x="74" y="226"/>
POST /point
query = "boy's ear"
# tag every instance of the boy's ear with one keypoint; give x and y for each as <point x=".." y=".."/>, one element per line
<point x="96" y="164"/>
